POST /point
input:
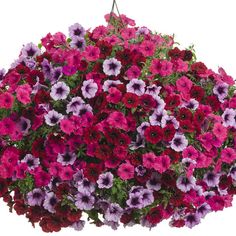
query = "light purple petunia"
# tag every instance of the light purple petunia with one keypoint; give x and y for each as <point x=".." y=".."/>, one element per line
<point x="141" y="129"/>
<point x="153" y="90"/>
<point x="154" y="183"/>
<point x="140" y="170"/>
<point x="109" y="84"/>
<point x="143" y="31"/>
<point x="56" y="74"/>
<point x="35" y="197"/>
<point x="83" y="109"/>
<point x="78" y="177"/>
<point x="59" y="91"/>
<point x="221" y="90"/>
<point x="77" y="30"/>
<point x="139" y="143"/>
<point x="24" y="125"/>
<point x="78" y="43"/>
<point x="191" y="220"/>
<point x="113" y="212"/>
<point x="89" y="88"/>
<point x="86" y="186"/>
<point x="136" y="86"/>
<point x="84" y="201"/>
<point x="53" y="117"/>
<point x="229" y="117"/>
<point x="179" y="142"/>
<point x="160" y="103"/>
<point x="79" y="225"/>
<point x="135" y="200"/>
<point x="31" y="161"/>
<point x="191" y="104"/>
<point x="50" y="201"/>
<point x="111" y="67"/>
<point x="30" y="50"/>
<point x="203" y="210"/>
<point x="158" y="117"/>
<point x="105" y="180"/>
<point x="185" y="184"/>
<point x="46" y="68"/>
<point x="67" y="158"/>
<point x="232" y="172"/>
<point x="170" y="120"/>
<point x="147" y="197"/>
<point x="2" y="74"/>
<point x="73" y="105"/>
<point x="211" y="179"/>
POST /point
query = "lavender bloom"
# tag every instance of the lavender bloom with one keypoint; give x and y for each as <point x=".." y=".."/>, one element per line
<point x="73" y="105"/>
<point x="221" y="90"/>
<point x="188" y="161"/>
<point x="56" y="74"/>
<point x="89" y="88"/>
<point x="142" y="31"/>
<point x="185" y="184"/>
<point x="83" y="109"/>
<point x="2" y="74"/>
<point x="29" y="62"/>
<point x="113" y="212"/>
<point x="84" y="201"/>
<point x="105" y="180"/>
<point x="109" y="84"/>
<point x="160" y="104"/>
<point x="229" y="117"/>
<point x="35" y="197"/>
<point x="209" y="194"/>
<point x="136" y="86"/>
<point x="158" y="118"/>
<point x="112" y="224"/>
<point x="153" y="90"/>
<point x="50" y="202"/>
<point x="140" y="142"/>
<point x="86" y="186"/>
<point x="24" y="125"/>
<point x="203" y="210"/>
<point x="78" y="177"/>
<point x="140" y="170"/>
<point x="191" y="104"/>
<point x="53" y="118"/>
<point x="67" y="158"/>
<point x="192" y="220"/>
<point x="111" y="67"/>
<point x="59" y="91"/>
<point x="46" y="68"/>
<point x="154" y="183"/>
<point x="136" y="189"/>
<point x="78" y="43"/>
<point x="171" y="120"/>
<point x="31" y="161"/>
<point x="211" y="179"/>
<point x="141" y="129"/>
<point x="76" y="30"/>
<point x="232" y="172"/>
<point x="147" y="197"/>
<point x="30" y="50"/>
<point x="179" y="143"/>
<point x="79" y="225"/>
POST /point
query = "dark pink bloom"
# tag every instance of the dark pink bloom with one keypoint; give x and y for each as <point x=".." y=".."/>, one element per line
<point x="23" y="93"/>
<point x="161" y="67"/>
<point x="126" y="171"/>
<point x="228" y="155"/>
<point x="220" y="131"/>
<point x="149" y="159"/>
<point x="162" y="163"/>
<point x="184" y="84"/>
<point x="91" y="53"/>
<point x="114" y="95"/>
<point x="66" y="173"/>
<point x="6" y="100"/>
<point x="41" y="178"/>
<point x="67" y="126"/>
<point x="148" y="48"/>
<point x="133" y="72"/>
<point x="117" y="120"/>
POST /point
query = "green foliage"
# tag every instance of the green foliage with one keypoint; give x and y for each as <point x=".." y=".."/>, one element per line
<point x="66" y="201"/>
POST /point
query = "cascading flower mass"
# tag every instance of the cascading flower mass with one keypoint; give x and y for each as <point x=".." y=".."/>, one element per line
<point x="119" y="124"/>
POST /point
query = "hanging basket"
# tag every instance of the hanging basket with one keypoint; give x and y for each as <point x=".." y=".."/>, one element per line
<point x="119" y="125"/>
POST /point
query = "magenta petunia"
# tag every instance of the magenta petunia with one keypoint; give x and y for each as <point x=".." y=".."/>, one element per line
<point x="6" y="100"/>
<point x="117" y="120"/>
<point x="228" y="155"/>
<point x="126" y="171"/>
<point x="162" y="163"/>
<point x="91" y="53"/>
<point x="23" y="93"/>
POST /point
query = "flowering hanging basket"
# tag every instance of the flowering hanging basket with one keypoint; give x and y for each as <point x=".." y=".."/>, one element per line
<point x="118" y="125"/>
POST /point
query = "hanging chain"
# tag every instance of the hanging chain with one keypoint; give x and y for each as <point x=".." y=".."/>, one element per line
<point x="115" y="6"/>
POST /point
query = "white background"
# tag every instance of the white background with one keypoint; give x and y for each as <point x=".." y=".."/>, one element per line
<point x="208" y="24"/>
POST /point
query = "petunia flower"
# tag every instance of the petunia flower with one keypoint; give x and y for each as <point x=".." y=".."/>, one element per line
<point x="66" y="158"/>
<point x="113" y="212"/>
<point x="229" y="117"/>
<point x="53" y="117"/>
<point x="211" y="179"/>
<point x="84" y="201"/>
<point x="154" y="183"/>
<point x="221" y="90"/>
<point x="136" y="86"/>
<point x="35" y="197"/>
<point x="30" y="50"/>
<point x="76" y="30"/>
<point x="179" y="143"/>
<point x="89" y="88"/>
<point x="78" y="43"/>
<point x="192" y="220"/>
<point x="31" y="161"/>
<point x="73" y="105"/>
<point x="105" y="180"/>
<point x="50" y="201"/>
<point x="111" y="67"/>
<point x="185" y="184"/>
<point x="59" y="91"/>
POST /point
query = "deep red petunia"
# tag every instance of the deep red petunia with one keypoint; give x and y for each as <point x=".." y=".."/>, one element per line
<point x="153" y="134"/>
<point x="130" y="100"/>
<point x="168" y="132"/>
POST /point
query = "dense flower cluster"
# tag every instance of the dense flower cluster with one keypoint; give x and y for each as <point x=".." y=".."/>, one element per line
<point x="118" y="124"/>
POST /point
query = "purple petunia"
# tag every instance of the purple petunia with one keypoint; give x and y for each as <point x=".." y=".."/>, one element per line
<point x="31" y="161"/>
<point x="30" y="50"/>
<point x="140" y="170"/>
<point x="147" y="197"/>
<point x="154" y="183"/>
<point x="105" y="180"/>
<point x="67" y="158"/>
<point x="109" y="84"/>
<point x="229" y="117"/>
<point x="191" y="104"/>
<point x="56" y="74"/>
<point x="113" y="212"/>
<point x="158" y="118"/>
<point x="50" y="202"/>
<point x="59" y="91"/>
<point x="185" y="184"/>
<point x="221" y="90"/>
<point x="203" y="210"/>
<point x="89" y="88"/>
<point x="35" y="197"/>
<point x="84" y="201"/>
<point x="191" y="220"/>
<point x="211" y="179"/>
<point x="179" y="142"/>
<point x="153" y="90"/>
<point x="232" y="172"/>
<point x="86" y="186"/>
<point x="83" y="109"/>
<point x="24" y="125"/>
<point x="111" y="67"/>
<point x="136" y="86"/>
<point x="76" y="30"/>
<point x="47" y="69"/>
<point x="139" y="143"/>
<point x="73" y="105"/>
<point x="78" y="43"/>
<point x="79" y="225"/>
<point x="53" y="117"/>
<point x="135" y="200"/>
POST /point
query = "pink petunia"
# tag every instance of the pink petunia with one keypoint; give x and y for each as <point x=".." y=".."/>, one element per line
<point x="114" y="95"/>
<point x="23" y="93"/>
<point x="149" y="160"/>
<point x="128" y="33"/>
<point x="6" y="100"/>
<point x="21" y="170"/>
<point x="133" y="72"/>
<point x="190" y="152"/>
<point x="67" y="126"/>
<point x="161" y="67"/>
<point x="228" y="155"/>
<point x="91" y="53"/>
<point x="220" y="131"/>
<point x="66" y="173"/>
<point x="7" y="126"/>
<point x="41" y="178"/>
<point x="10" y="156"/>
<point x="126" y="171"/>
<point x="148" y="48"/>
<point x="180" y="66"/>
<point x="184" y="84"/>
<point x="162" y="163"/>
<point x="117" y="120"/>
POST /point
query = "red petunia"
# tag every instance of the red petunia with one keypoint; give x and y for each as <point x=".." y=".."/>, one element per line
<point x="153" y="134"/>
<point x="92" y="171"/>
<point x="130" y="100"/>
<point x="168" y="132"/>
<point x="172" y="101"/>
<point x="184" y="114"/>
